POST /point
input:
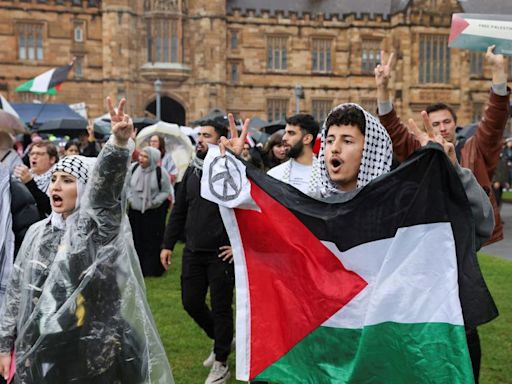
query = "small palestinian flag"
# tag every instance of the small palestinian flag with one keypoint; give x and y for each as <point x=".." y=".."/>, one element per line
<point x="47" y="83"/>
<point x="374" y="289"/>
<point x="4" y="105"/>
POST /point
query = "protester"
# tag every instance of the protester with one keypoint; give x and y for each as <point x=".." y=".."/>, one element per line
<point x="356" y="149"/>
<point x="508" y="158"/>
<point x="301" y="169"/>
<point x="8" y="156"/>
<point x="89" y="147"/>
<point x="72" y="147"/>
<point x="167" y="161"/>
<point x="500" y="178"/>
<point x="480" y="153"/>
<point x="207" y="258"/>
<point x="274" y="152"/>
<point x="148" y="191"/>
<point x="43" y="156"/>
<point x="75" y="308"/>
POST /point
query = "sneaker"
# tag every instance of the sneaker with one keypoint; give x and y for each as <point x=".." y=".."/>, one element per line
<point x="211" y="358"/>
<point x="219" y="373"/>
<point x="208" y="363"/>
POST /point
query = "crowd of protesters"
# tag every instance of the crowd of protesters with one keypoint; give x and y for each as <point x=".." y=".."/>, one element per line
<point x="162" y="212"/>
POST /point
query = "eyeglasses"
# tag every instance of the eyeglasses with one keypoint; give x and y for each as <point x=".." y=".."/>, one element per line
<point x="32" y="153"/>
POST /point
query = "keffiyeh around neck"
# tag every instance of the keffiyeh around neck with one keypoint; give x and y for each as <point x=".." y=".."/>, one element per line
<point x="377" y="153"/>
<point x="43" y="180"/>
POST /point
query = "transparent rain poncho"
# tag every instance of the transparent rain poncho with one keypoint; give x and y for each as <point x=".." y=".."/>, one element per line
<point x="75" y="309"/>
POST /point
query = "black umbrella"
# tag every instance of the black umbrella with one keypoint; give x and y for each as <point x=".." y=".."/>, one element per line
<point x="274" y="126"/>
<point x="64" y="127"/>
<point x="142" y="122"/>
<point x="257" y="123"/>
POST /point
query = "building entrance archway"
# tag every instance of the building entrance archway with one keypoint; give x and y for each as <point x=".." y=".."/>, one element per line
<point x="171" y="110"/>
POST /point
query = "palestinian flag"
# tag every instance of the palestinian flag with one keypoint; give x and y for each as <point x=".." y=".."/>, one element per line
<point x="47" y="83"/>
<point x="4" y="105"/>
<point x="376" y="289"/>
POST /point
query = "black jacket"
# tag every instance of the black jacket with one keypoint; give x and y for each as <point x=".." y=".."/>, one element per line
<point x="41" y="198"/>
<point x="194" y="217"/>
<point x="23" y="210"/>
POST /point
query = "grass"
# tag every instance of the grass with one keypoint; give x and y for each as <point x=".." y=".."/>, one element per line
<point x="507" y="196"/>
<point x="187" y="346"/>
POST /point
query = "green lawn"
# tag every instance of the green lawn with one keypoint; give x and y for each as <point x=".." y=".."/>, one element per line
<point x="187" y="346"/>
<point x="507" y="196"/>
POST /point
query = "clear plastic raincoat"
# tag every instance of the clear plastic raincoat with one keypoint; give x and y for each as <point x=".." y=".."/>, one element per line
<point x="75" y="309"/>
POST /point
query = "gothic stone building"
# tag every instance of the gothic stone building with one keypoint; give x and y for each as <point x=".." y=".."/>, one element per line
<point x="244" y="56"/>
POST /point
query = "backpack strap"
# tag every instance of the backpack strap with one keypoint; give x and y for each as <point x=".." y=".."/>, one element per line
<point x="159" y="177"/>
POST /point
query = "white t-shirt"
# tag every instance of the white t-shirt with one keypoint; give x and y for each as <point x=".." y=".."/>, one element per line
<point x="299" y="174"/>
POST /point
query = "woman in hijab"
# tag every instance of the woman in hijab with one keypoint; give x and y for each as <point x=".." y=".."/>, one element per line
<point x="148" y="191"/>
<point x="75" y="308"/>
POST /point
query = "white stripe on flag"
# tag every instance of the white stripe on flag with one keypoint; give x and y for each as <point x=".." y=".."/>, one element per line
<point x="243" y="302"/>
<point x="412" y="278"/>
<point x="8" y="107"/>
<point x="41" y="82"/>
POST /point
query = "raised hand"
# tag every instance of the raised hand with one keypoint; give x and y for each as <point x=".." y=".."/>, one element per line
<point x="497" y="62"/>
<point x="235" y="144"/>
<point x="431" y="135"/>
<point x="122" y="125"/>
<point x="383" y="71"/>
<point x="90" y="130"/>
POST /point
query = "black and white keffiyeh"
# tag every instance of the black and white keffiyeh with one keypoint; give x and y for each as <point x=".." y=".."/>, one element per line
<point x="43" y="180"/>
<point x="377" y="153"/>
<point x="78" y="166"/>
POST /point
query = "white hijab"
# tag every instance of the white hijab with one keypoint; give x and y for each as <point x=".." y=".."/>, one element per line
<point x="141" y="179"/>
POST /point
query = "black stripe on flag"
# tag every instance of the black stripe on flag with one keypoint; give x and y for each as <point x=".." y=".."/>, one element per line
<point x="59" y="75"/>
<point x="423" y="190"/>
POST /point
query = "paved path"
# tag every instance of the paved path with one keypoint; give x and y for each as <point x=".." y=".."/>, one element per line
<point x="503" y="248"/>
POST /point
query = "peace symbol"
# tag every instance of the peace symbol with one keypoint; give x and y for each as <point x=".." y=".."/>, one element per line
<point x="231" y="179"/>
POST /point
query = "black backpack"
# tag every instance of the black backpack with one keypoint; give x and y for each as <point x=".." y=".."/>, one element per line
<point x="158" y="174"/>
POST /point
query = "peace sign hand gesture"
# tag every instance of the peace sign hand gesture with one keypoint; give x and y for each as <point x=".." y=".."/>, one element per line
<point x="383" y="71"/>
<point x="235" y="144"/>
<point x="122" y="125"/>
<point x="430" y="135"/>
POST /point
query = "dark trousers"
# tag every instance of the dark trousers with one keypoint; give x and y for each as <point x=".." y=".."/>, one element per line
<point x="475" y="353"/>
<point x="201" y="270"/>
<point x="148" y="232"/>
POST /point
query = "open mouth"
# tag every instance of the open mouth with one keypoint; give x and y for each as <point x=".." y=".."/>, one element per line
<point x="56" y="201"/>
<point x="336" y="164"/>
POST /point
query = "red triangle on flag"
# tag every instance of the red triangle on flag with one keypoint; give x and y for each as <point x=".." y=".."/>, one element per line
<point x="458" y="26"/>
<point x="295" y="282"/>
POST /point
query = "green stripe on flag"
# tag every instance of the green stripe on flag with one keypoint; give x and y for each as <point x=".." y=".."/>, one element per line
<point x="383" y="353"/>
<point x="26" y="87"/>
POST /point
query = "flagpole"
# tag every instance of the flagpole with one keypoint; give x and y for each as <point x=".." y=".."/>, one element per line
<point x="34" y="120"/>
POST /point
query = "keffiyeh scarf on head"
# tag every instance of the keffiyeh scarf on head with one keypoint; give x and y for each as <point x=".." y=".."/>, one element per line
<point x="141" y="179"/>
<point x="79" y="167"/>
<point x="377" y="153"/>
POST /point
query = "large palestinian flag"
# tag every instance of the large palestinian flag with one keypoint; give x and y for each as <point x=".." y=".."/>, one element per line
<point x="366" y="291"/>
<point x="48" y="82"/>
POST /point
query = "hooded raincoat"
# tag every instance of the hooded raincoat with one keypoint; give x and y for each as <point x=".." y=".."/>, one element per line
<point x="75" y="309"/>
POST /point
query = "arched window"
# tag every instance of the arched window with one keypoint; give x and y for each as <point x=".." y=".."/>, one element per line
<point x="164" y="30"/>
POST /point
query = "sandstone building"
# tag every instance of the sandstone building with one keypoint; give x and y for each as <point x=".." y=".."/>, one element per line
<point x="244" y="56"/>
